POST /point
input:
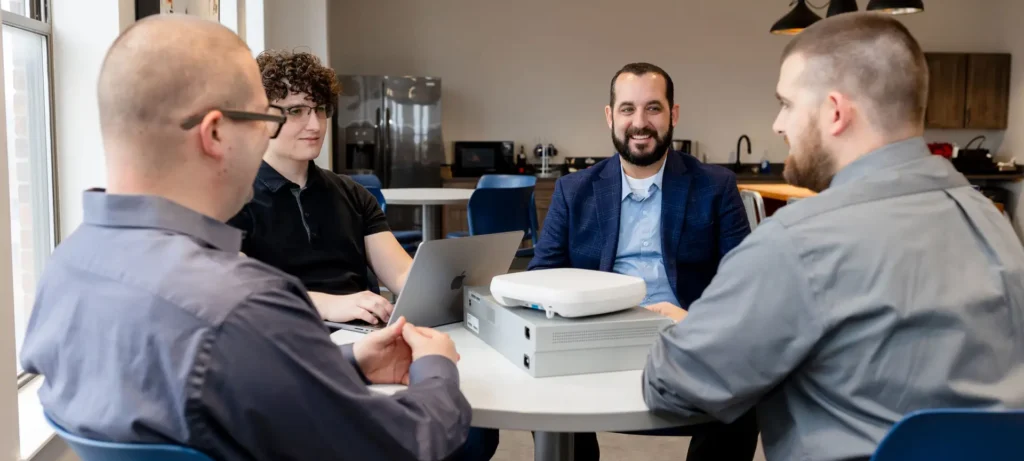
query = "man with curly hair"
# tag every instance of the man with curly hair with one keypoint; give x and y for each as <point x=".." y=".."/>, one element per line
<point x="312" y="223"/>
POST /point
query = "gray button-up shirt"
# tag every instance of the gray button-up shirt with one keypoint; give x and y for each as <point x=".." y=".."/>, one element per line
<point x="150" y="327"/>
<point x="899" y="288"/>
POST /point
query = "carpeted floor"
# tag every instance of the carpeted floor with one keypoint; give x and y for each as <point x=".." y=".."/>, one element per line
<point x="518" y="446"/>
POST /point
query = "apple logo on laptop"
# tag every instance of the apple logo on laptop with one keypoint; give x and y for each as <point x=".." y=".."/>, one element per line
<point x="457" y="281"/>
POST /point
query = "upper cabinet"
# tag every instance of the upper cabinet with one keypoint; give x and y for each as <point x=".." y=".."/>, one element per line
<point x="969" y="91"/>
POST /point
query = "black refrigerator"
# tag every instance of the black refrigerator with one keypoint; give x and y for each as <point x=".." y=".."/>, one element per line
<point x="391" y="127"/>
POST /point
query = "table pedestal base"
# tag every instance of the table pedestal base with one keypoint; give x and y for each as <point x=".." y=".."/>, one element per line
<point x="429" y="226"/>
<point x="553" y="446"/>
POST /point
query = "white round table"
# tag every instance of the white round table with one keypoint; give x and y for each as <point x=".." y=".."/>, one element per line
<point x="430" y="199"/>
<point x="505" y="397"/>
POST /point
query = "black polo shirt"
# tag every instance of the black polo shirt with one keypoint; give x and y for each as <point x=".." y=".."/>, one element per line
<point x="314" y="233"/>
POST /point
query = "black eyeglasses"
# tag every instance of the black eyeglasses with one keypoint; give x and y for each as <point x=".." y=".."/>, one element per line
<point x="274" y="117"/>
<point x="300" y="113"/>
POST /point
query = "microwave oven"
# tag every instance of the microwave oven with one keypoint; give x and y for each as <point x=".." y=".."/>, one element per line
<point x="477" y="158"/>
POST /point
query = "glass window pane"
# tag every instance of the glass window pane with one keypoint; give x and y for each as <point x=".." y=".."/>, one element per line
<point x="26" y="90"/>
<point x="16" y="6"/>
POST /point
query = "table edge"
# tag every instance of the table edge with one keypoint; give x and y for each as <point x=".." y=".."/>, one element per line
<point x="591" y="422"/>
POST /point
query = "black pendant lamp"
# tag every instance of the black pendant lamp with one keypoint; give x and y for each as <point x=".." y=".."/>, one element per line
<point x="841" y="6"/>
<point x="896" y="6"/>
<point x="796" y="21"/>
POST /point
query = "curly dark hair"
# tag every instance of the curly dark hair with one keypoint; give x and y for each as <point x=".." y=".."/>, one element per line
<point x="286" y="72"/>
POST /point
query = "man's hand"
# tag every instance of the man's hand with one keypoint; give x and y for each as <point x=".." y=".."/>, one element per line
<point x="426" y="341"/>
<point x="383" y="356"/>
<point x="366" y="306"/>
<point x="669" y="310"/>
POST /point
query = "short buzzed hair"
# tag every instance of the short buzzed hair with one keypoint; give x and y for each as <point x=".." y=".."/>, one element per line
<point x="640" y="69"/>
<point x="871" y="57"/>
<point x="162" y="70"/>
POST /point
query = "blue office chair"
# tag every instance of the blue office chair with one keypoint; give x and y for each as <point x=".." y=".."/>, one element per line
<point x="491" y="211"/>
<point x="509" y="181"/>
<point x="94" y="450"/>
<point x="409" y="239"/>
<point x="505" y="181"/>
<point x="955" y="434"/>
<point x="367" y="180"/>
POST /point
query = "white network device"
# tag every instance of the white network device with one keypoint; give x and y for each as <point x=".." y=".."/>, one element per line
<point x="569" y="292"/>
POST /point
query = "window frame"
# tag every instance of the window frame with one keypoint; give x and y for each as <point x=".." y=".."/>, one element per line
<point x="40" y="24"/>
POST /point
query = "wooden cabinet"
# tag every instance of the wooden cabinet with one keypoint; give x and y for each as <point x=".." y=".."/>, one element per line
<point x="988" y="91"/>
<point x="455" y="218"/>
<point x="948" y="76"/>
<point x="968" y="91"/>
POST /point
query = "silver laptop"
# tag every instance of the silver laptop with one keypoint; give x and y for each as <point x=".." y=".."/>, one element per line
<point x="433" y="290"/>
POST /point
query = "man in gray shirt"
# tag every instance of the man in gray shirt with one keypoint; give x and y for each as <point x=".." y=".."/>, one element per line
<point x="897" y="288"/>
<point x="150" y="327"/>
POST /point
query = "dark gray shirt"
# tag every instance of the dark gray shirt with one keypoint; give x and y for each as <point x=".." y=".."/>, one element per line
<point x="899" y="288"/>
<point x="150" y="327"/>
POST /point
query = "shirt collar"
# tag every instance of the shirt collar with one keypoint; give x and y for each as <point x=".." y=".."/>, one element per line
<point x="658" y="177"/>
<point x="881" y="159"/>
<point x="275" y="181"/>
<point x="154" y="212"/>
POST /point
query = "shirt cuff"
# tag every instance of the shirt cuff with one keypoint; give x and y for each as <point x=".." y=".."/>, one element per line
<point x="350" y="355"/>
<point x="433" y="366"/>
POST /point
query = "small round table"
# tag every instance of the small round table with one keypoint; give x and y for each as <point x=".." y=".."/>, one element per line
<point x="505" y="397"/>
<point x="431" y="199"/>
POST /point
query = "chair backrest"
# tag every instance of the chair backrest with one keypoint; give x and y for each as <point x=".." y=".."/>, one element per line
<point x="367" y="180"/>
<point x="94" y="450"/>
<point x="377" y="194"/>
<point x="491" y="211"/>
<point x="955" y="434"/>
<point x="372" y="183"/>
<point x="754" y="205"/>
<point x="514" y="181"/>
<point x="505" y="181"/>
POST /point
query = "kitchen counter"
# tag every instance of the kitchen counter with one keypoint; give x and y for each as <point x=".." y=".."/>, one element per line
<point x="782" y="192"/>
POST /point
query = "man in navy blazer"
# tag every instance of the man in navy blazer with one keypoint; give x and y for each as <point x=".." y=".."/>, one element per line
<point x="702" y="219"/>
<point x="656" y="214"/>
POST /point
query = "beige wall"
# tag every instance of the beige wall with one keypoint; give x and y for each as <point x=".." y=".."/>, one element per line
<point x="299" y="25"/>
<point x="537" y="70"/>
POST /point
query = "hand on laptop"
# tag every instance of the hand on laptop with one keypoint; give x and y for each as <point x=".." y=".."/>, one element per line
<point x="427" y="341"/>
<point x="383" y="356"/>
<point x="367" y="306"/>
<point x="669" y="310"/>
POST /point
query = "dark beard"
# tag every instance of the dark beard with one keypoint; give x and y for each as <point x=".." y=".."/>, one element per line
<point x="814" y="168"/>
<point x="661" y="145"/>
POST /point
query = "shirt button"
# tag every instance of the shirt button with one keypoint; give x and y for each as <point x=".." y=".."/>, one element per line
<point x="645" y="212"/>
<point x="306" y="214"/>
<point x="646" y="243"/>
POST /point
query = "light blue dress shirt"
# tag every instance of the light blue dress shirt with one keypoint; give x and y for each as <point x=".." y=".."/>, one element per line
<point x="639" y="248"/>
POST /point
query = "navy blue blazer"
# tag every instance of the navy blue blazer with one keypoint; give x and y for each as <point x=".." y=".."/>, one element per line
<point x="702" y="219"/>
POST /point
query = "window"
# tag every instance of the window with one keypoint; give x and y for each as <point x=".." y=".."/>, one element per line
<point x="29" y="149"/>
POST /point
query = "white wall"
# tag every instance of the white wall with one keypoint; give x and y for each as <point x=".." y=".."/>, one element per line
<point x="300" y="25"/>
<point x="535" y="70"/>
<point x="82" y="33"/>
